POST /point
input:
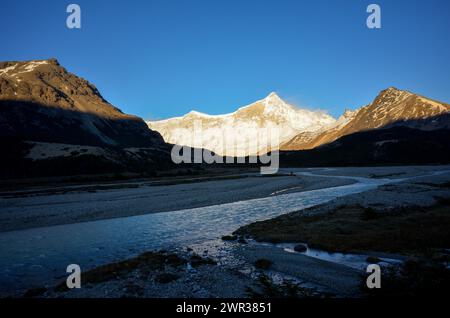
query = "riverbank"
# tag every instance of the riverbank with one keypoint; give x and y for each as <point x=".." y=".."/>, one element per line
<point x="31" y="210"/>
<point x="188" y="275"/>
<point x="36" y="257"/>
<point x="403" y="227"/>
<point x="388" y="225"/>
<point x="408" y="218"/>
<point x="156" y="274"/>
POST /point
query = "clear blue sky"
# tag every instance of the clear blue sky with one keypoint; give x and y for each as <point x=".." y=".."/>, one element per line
<point x="159" y="59"/>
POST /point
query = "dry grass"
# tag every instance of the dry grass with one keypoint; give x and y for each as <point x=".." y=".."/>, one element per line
<point x="409" y="230"/>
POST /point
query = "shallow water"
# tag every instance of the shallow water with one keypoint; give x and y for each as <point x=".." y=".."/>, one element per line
<point x="39" y="256"/>
<point x="356" y="261"/>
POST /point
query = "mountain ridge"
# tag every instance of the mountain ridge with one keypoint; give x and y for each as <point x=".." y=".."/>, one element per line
<point x="53" y="122"/>
<point x="59" y="102"/>
<point x="391" y="106"/>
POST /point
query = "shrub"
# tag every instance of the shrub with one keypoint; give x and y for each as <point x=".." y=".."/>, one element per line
<point x="263" y="263"/>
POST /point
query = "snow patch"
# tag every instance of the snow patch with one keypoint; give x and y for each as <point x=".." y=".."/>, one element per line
<point x="382" y="142"/>
<point x="7" y="69"/>
<point x="14" y="70"/>
<point x="30" y="66"/>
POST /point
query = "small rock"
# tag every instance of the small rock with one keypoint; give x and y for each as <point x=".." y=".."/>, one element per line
<point x="165" y="278"/>
<point x="229" y="238"/>
<point x="242" y="241"/>
<point x="373" y="260"/>
<point x="300" y="248"/>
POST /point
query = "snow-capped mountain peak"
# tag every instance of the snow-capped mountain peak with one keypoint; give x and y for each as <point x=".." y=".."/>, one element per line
<point x="194" y="113"/>
<point x="272" y="112"/>
<point x="273" y="100"/>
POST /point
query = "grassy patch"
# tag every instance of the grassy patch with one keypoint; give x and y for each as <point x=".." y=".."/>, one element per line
<point x="146" y="262"/>
<point x="409" y="230"/>
<point x="229" y="238"/>
<point x="197" y="260"/>
<point x="445" y="185"/>
<point x="381" y="176"/>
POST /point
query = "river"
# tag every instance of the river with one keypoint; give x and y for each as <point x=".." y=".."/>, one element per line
<point x="39" y="256"/>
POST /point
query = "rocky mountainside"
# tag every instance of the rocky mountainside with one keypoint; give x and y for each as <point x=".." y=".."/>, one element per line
<point x="218" y="131"/>
<point x="42" y="101"/>
<point x="391" y="108"/>
<point x="53" y="122"/>
<point x="398" y="145"/>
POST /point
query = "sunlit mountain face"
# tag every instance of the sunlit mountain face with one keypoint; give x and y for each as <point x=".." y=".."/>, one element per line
<point x="256" y="119"/>
<point x="392" y="107"/>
